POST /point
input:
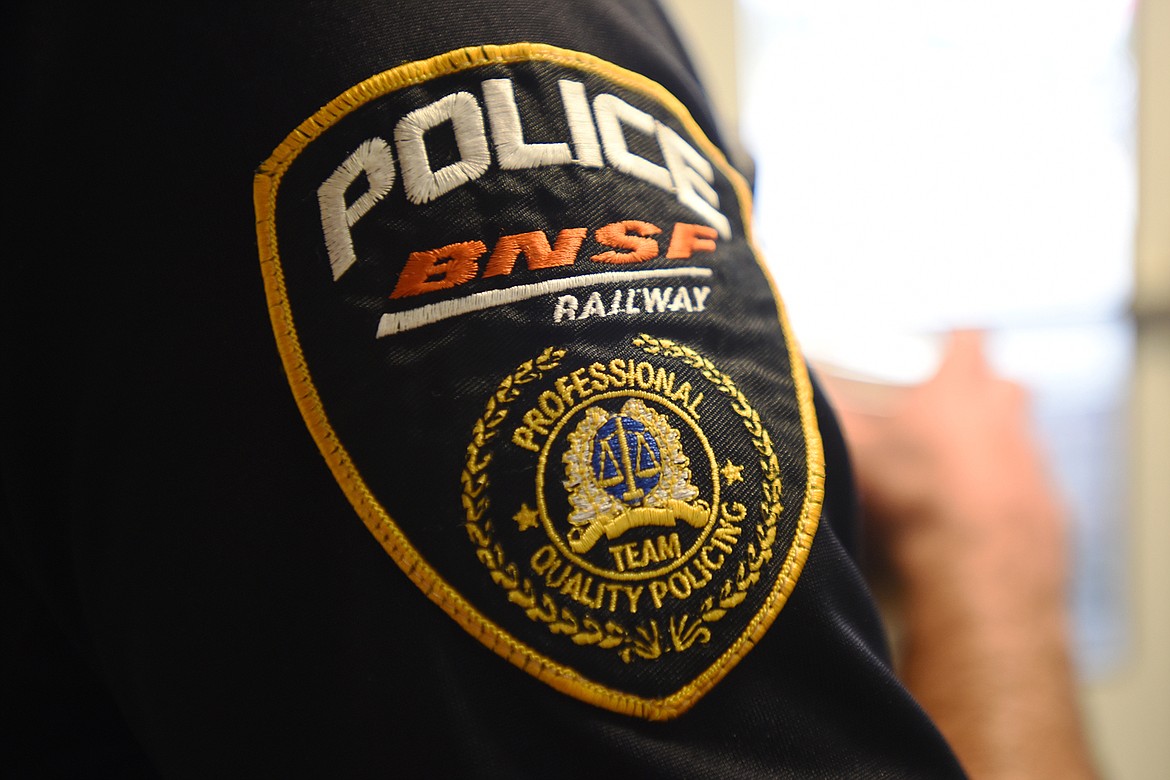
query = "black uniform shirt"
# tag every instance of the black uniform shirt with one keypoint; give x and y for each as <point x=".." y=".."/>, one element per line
<point x="393" y="389"/>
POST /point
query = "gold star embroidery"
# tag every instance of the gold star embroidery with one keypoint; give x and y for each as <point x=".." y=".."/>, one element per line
<point x="525" y="518"/>
<point x="731" y="472"/>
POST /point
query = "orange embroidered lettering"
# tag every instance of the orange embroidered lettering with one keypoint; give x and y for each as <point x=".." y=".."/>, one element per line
<point x="439" y="269"/>
<point x="631" y="234"/>
<point x="688" y="239"/>
<point x="535" y="247"/>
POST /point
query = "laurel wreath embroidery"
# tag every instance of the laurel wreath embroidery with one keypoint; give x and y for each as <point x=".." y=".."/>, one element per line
<point x="644" y="641"/>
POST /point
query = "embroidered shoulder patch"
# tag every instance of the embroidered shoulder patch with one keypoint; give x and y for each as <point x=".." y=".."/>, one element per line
<point x="518" y="305"/>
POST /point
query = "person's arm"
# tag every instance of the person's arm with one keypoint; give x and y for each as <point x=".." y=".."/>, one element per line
<point x="320" y="473"/>
<point x="975" y="537"/>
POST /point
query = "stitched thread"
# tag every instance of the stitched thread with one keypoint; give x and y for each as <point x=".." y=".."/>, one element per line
<point x="632" y="234"/>
<point x="580" y="121"/>
<point x="612" y="113"/>
<point x="644" y="641"/>
<point x="265" y="187"/>
<point x="534" y="246"/>
<point x="372" y="157"/>
<point x="422" y="183"/>
<point x="397" y="322"/>
<point x="504" y="117"/>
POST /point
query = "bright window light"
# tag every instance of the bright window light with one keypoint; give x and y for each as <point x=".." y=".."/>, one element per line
<point x="923" y="166"/>
<point x="927" y="165"/>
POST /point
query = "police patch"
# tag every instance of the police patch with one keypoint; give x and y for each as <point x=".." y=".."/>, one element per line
<point x="515" y="295"/>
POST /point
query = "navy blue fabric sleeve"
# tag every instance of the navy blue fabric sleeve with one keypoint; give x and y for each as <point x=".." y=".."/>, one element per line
<point x="189" y="568"/>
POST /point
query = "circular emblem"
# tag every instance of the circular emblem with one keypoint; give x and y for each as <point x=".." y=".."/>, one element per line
<point x="626" y="477"/>
<point x="609" y="500"/>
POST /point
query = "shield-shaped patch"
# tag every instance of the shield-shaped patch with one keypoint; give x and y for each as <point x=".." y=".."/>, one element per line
<point x="518" y="305"/>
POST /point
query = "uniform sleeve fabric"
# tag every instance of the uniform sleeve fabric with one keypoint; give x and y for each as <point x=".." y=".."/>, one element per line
<point x="219" y="598"/>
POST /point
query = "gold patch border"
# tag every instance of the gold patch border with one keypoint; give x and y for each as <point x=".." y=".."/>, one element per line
<point x="562" y="678"/>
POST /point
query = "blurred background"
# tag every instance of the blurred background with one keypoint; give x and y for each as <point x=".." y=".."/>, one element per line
<point x="922" y="166"/>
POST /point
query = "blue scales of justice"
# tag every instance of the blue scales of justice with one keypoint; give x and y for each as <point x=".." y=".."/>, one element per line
<point x="627" y="461"/>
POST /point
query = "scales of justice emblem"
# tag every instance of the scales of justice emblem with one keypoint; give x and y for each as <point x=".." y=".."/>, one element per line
<point x="624" y="471"/>
<point x="597" y="503"/>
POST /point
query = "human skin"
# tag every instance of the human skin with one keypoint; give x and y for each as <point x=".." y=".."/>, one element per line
<point x="964" y="515"/>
